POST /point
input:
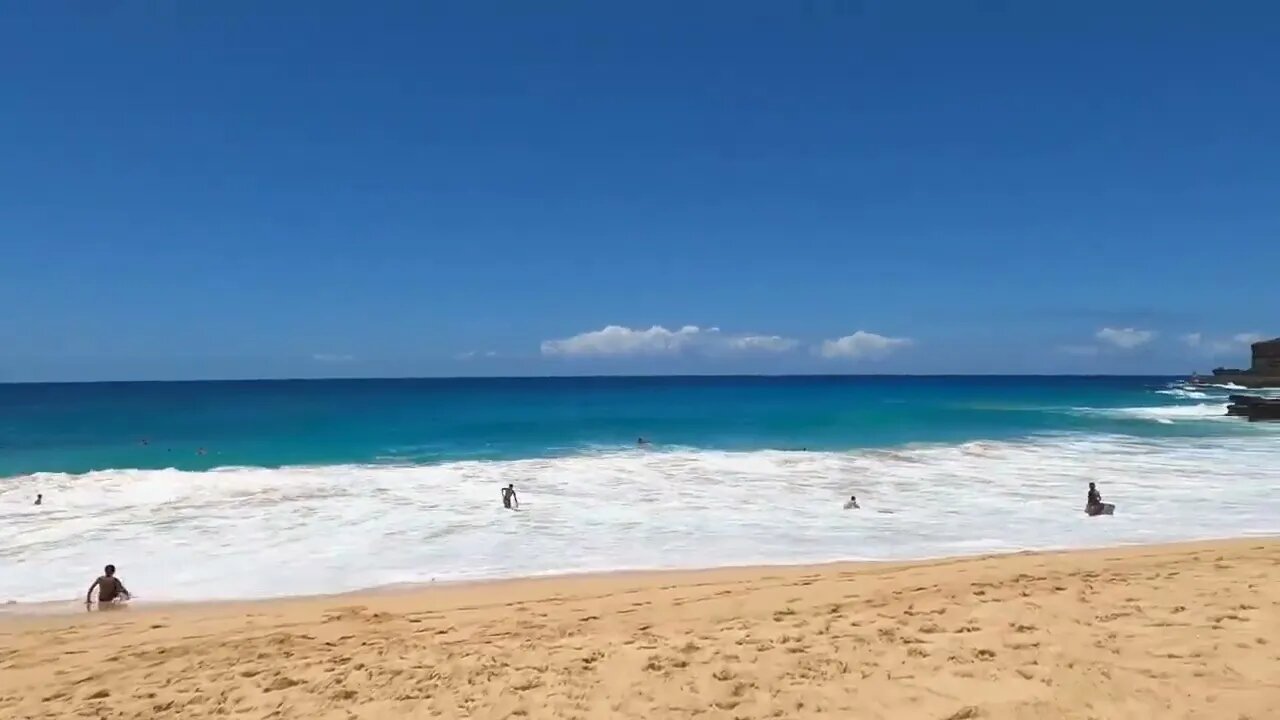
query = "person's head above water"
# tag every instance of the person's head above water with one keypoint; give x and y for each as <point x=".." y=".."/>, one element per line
<point x="109" y="570"/>
<point x="1091" y="487"/>
<point x="853" y="497"/>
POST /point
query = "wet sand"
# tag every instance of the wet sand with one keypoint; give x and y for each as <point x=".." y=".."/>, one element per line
<point x="1179" y="631"/>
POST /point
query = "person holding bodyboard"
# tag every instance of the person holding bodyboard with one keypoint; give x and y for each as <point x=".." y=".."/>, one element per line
<point x="1093" y="504"/>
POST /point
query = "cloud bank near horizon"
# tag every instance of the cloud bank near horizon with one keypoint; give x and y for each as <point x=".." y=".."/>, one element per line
<point x="620" y="341"/>
<point x="1125" y="338"/>
<point x="862" y="345"/>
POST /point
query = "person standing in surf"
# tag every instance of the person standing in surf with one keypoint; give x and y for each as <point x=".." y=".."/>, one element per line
<point x="509" y="500"/>
<point x="1093" y="503"/>
<point x="110" y="590"/>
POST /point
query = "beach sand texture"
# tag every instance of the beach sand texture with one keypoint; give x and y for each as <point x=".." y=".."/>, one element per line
<point x="1185" y="631"/>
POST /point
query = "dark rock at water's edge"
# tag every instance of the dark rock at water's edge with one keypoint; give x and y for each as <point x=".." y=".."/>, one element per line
<point x="1243" y="378"/>
<point x="1254" y="407"/>
<point x="1263" y="373"/>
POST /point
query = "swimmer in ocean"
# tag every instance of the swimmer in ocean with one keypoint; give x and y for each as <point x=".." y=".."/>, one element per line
<point x="39" y="499"/>
<point x="852" y="504"/>
<point x="111" y="591"/>
<point x="509" y="500"/>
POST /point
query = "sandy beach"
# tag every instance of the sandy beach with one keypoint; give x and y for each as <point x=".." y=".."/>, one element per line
<point x="1179" y="631"/>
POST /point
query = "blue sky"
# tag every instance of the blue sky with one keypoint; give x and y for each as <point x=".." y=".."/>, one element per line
<point x="243" y="189"/>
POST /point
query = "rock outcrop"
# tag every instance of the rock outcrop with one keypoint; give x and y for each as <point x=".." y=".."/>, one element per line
<point x="1254" y="407"/>
<point x="1264" y="372"/>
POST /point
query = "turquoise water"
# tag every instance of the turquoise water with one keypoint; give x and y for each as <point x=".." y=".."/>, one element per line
<point x="234" y="490"/>
<point x="77" y="428"/>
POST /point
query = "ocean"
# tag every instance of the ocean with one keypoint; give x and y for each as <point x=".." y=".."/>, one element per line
<point x="221" y="490"/>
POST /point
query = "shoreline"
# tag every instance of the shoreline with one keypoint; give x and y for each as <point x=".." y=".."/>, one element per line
<point x="1179" y="631"/>
<point x="63" y="608"/>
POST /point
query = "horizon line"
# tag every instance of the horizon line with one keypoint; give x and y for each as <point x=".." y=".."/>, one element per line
<point x="400" y="378"/>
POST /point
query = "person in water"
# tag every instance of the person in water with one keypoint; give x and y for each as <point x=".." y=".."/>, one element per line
<point x="39" y="499"/>
<point x="852" y="504"/>
<point x="1093" y="504"/>
<point x="110" y="590"/>
<point x="509" y="500"/>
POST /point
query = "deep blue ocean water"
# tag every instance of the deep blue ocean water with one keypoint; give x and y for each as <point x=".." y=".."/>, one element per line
<point x="81" y="427"/>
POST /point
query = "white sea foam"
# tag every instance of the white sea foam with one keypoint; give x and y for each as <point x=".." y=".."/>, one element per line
<point x="1168" y="414"/>
<point x="248" y="532"/>
<point x="1184" y="393"/>
<point x="1231" y="388"/>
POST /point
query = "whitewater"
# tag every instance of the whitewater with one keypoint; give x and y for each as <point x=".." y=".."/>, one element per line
<point x="245" y="532"/>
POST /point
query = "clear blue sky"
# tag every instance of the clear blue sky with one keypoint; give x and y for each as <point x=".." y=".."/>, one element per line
<point x="250" y="189"/>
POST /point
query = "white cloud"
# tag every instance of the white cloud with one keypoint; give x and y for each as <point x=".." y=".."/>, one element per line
<point x="1249" y="338"/>
<point x="861" y="344"/>
<point x="475" y="354"/>
<point x="763" y="343"/>
<point x="616" y="341"/>
<point x="332" y="358"/>
<point x="1125" y="338"/>
<point x="1220" y="346"/>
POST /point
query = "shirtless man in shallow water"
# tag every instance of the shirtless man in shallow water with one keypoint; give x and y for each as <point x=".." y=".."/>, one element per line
<point x="110" y="590"/>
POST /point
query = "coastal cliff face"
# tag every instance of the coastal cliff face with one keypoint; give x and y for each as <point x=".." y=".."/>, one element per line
<point x="1263" y="372"/>
<point x="1266" y="358"/>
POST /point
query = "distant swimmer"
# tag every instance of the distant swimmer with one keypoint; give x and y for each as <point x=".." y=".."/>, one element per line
<point x="852" y="504"/>
<point x="39" y="499"/>
<point x="202" y="451"/>
<point x="509" y="500"/>
<point x="641" y="441"/>
<point x="111" y="591"/>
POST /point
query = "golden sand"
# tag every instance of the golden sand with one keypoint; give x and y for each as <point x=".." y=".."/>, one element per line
<point x="1185" y="631"/>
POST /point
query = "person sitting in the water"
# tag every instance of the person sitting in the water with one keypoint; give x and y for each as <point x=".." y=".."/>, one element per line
<point x="110" y="590"/>
<point x="1093" y="504"/>
<point x="852" y="504"/>
<point x="39" y="499"/>
<point x="509" y="500"/>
